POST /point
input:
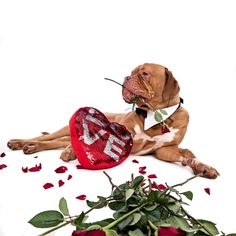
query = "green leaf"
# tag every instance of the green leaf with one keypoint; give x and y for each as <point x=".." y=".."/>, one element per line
<point x="158" y="117"/>
<point x="128" y="193"/>
<point x="99" y="204"/>
<point x="137" y="181"/>
<point x="63" y="207"/>
<point x="79" y="220"/>
<point x="179" y="222"/>
<point x="188" y="195"/>
<point x="136" y="232"/>
<point x="174" y="207"/>
<point x="210" y="226"/>
<point x="47" y="219"/>
<point x="136" y="218"/>
<point x="124" y="223"/>
<point x="116" y="205"/>
<point x="163" y="112"/>
<point x="157" y="196"/>
<point x="110" y="232"/>
<point x="150" y="207"/>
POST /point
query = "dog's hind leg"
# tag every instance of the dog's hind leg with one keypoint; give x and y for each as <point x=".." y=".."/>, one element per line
<point x="184" y="156"/>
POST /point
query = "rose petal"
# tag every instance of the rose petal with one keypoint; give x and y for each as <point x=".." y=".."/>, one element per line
<point x="61" y="169"/>
<point x="207" y="190"/>
<point x="25" y="169"/>
<point x="161" y="187"/>
<point x="48" y="185"/>
<point x="35" y="156"/>
<point x="69" y="177"/>
<point x="154" y="185"/>
<point x="164" y="130"/>
<point x="142" y="168"/>
<point x="2" y="166"/>
<point x="3" y="154"/>
<point x="61" y="183"/>
<point x="81" y="197"/>
<point x="79" y="167"/>
<point x="152" y="176"/>
<point x="135" y="161"/>
<point x="143" y="172"/>
<point x="95" y="232"/>
<point x="34" y="169"/>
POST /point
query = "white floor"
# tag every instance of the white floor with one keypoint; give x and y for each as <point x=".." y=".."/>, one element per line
<point x="53" y="58"/>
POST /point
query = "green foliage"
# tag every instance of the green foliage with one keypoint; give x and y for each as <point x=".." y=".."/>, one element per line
<point x="47" y="219"/>
<point x="138" y="210"/>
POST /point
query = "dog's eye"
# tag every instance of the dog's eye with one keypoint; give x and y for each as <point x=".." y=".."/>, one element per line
<point x="144" y="73"/>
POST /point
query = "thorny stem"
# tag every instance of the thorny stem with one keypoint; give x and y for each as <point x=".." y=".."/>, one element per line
<point x="110" y="180"/>
<point x="186" y="181"/>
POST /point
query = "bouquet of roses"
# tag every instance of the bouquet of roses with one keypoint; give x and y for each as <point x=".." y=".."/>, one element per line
<point x="141" y="207"/>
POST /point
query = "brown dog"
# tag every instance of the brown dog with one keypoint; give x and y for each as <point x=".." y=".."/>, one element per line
<point x="158" y="125"/>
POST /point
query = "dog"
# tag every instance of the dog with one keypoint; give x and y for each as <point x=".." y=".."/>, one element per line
<point x="158" y="125"/>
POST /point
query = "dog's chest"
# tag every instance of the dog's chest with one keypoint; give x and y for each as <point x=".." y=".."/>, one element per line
<point x="146" y="142"/>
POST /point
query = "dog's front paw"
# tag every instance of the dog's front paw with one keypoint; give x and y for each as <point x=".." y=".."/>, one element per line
<point x="68" y="154"/>
<point x="205" y="171"/>
<point x="16" y="144"/>
<point x="31" y="147"/>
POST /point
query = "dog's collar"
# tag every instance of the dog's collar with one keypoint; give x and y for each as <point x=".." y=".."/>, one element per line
<point x="159" y="116"/>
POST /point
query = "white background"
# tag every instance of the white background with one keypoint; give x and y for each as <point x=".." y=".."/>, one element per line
<point x="53" y="58"/>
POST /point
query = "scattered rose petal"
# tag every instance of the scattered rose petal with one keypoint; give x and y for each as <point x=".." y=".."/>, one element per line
<point x="152" y="176"/>
<point x="34" y="169"/>
<point x="207" y="190"/>
<point x="25" y="169"/>
<point x="61" y="169"/>
<point x="2" y="166"/>
<point x="143" y="172"/>
<point x="35" y="156"/>
<point x="48" y="185"/>
<point x="95" y="232"/>
<point x="135" y="161"/>
<point x="154" y="185"/>
<point x="161" y="187"/>
<point x="81" y="197"/>
<point x="61" y="183"/>
<point x="69" y="177"/>
<point x="3" y="154"/>
<point x="79" y="167"/>
<point x="142" y="168"/>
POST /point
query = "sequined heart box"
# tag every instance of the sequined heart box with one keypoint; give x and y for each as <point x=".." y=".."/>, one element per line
<point x="98" y="143"/>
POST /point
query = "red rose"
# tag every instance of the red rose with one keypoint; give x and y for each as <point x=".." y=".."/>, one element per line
<point x="97" y="232"/>
<point x="170" y="231"/>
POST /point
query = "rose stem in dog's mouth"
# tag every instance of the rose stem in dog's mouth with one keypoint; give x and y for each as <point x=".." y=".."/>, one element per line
<point x="132" y="101"/>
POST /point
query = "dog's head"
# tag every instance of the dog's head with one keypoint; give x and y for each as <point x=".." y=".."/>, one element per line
<point x="151" y="86"/>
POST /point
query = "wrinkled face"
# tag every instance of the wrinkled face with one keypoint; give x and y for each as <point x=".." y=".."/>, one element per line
<point x="149" y="85"/>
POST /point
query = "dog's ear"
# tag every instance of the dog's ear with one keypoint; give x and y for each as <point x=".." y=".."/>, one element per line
<point x="171" y="88"/>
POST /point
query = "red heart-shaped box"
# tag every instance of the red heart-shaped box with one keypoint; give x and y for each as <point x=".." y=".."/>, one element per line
<point x="98" y="144"/>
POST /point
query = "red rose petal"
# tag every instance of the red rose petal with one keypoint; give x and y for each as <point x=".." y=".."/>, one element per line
<point x="170" y="231"/>
<point x="152" y="176"/>
<point x="143" y="172"/>
<point x="3" y="154"/>
<point x="142" y="168"/>
<point x="25" y="169"/>
<point x="154" y="185"/>
<point x="61" y="169"/>
<point x="61" y="183"/>
<point x="2" y="166"/>
<point x="81" y="197"/>
<point x="164" y="130"/>
<point x="161" y="187"/>
<point x="34" y="169"/>
<point x="69" y="177"/>
<point x="48" y="185"/>
<point x="135" y="161"/>
<point x="207" y="190"/>
<point x="79" y="167"/>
